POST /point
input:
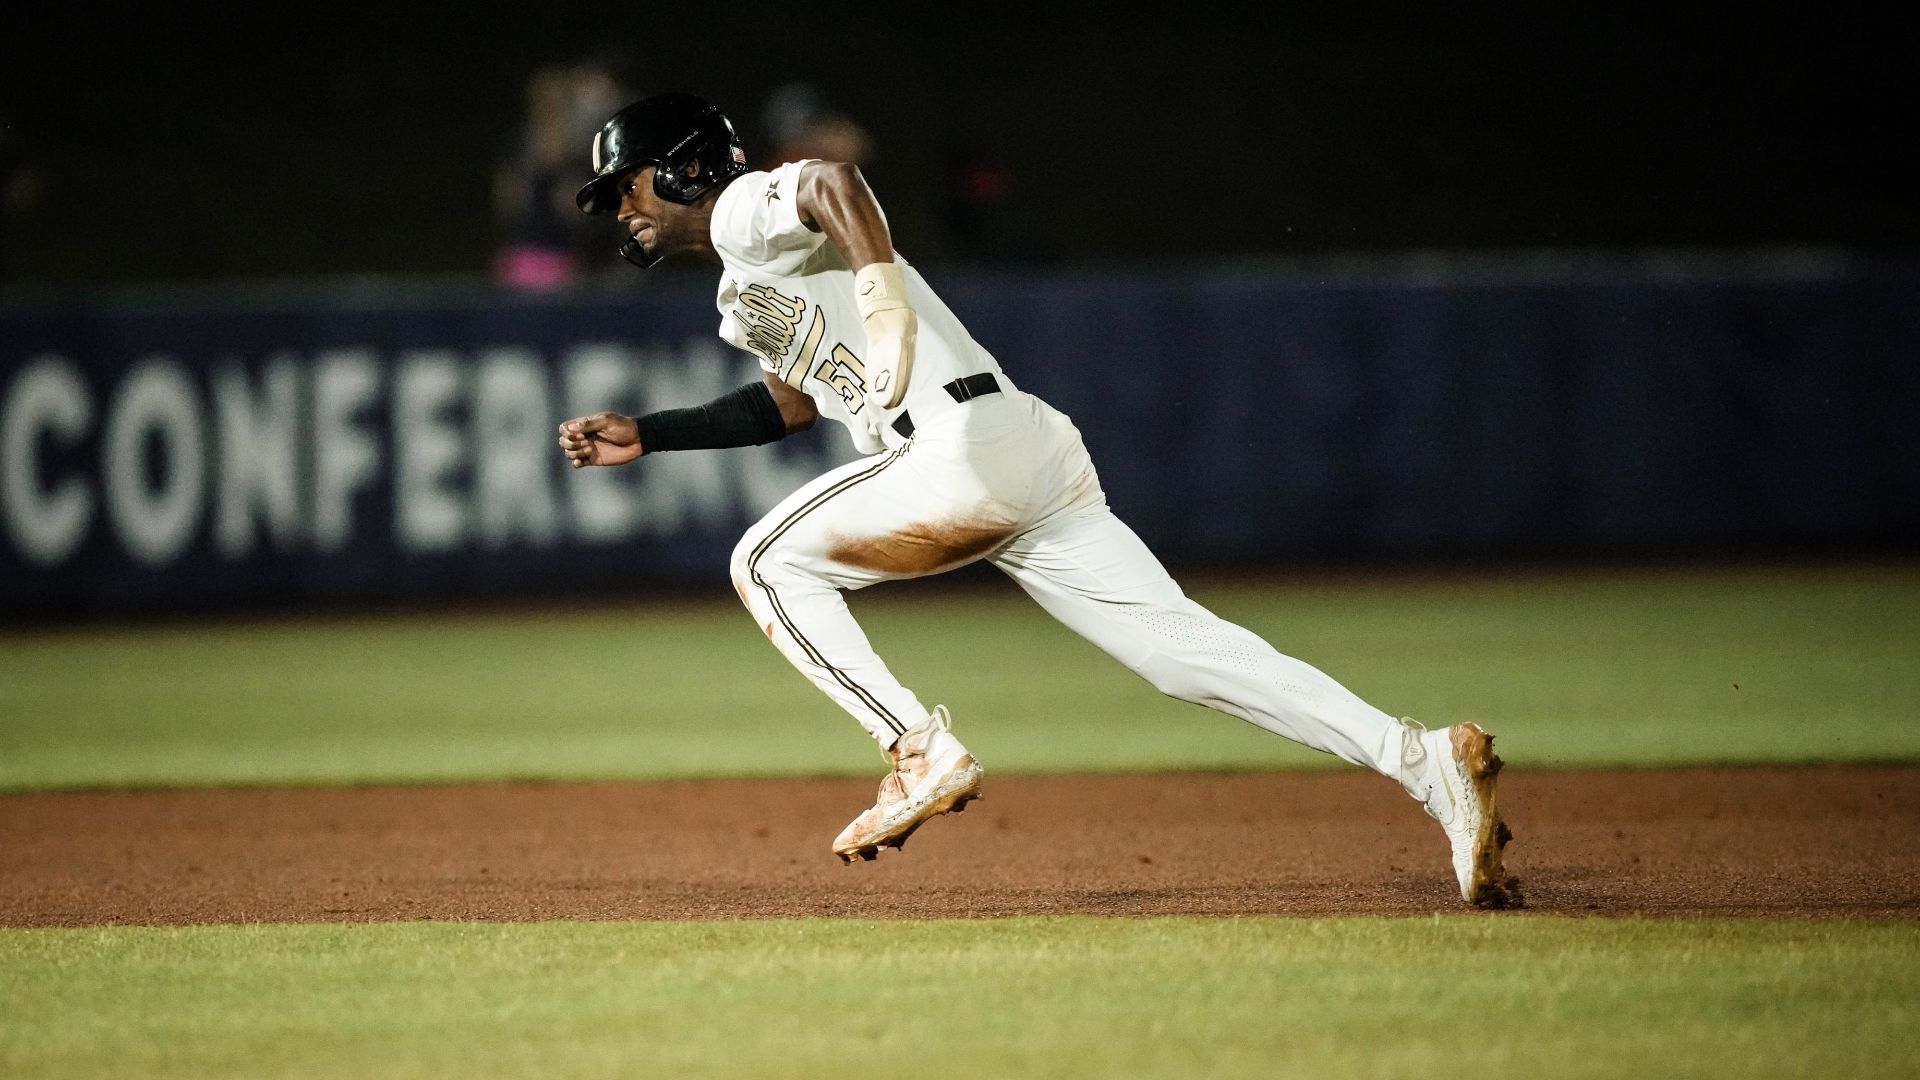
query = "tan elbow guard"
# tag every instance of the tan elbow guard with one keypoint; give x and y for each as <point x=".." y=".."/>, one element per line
<point x="880" y="292"/>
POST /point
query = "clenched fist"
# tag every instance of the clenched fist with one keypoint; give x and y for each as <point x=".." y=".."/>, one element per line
<point x="605" y="438"/>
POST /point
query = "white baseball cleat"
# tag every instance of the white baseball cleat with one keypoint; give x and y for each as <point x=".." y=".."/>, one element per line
<point x="932" y="775"/>
<point x="1452" y="773"/>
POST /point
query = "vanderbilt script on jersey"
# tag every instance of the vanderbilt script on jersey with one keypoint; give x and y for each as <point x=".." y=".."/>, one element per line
<point x="787" y="297"/>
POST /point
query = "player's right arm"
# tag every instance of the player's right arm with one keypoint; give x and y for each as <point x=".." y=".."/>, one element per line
<point x="833" y="198"/>
<point x="797" y="410"/>
<point x="754" y="414"/>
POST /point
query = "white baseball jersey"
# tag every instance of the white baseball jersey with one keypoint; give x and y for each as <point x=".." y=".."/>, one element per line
<point x="787" y="297"/>
<point x="1000" y="475"/>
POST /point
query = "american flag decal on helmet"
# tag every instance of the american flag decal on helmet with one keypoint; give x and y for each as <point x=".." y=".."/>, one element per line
<point x="739" y="156"/>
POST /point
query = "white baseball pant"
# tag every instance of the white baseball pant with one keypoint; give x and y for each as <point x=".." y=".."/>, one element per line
<point x="1006" y="477"/>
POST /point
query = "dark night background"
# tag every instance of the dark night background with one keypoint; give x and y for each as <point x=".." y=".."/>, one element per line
<point x="332" y="143"/>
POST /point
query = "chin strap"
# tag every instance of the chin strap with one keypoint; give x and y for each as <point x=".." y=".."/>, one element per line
<point x="637" y="255"/>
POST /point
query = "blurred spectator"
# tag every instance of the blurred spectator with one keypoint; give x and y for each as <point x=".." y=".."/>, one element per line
<point x="802" y="125"/>
<point x="986" y="220"/>
<point x="546" y="242"/>
<point x="19" y="189"/>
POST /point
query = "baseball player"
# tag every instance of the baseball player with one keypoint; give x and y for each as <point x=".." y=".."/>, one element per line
<point x="960" y="464"/>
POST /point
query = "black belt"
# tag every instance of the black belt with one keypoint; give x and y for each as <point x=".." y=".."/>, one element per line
<point x="963" y="389"/>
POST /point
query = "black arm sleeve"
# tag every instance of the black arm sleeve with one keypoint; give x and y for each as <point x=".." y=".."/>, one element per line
<point x="746" y="417"/>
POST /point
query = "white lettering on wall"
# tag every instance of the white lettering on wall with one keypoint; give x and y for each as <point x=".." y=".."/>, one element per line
<point x="47" y="523"/>
<point x="345" y="456"/>
<point x="429" y="515"/>
<point x="514" y="439"/>
<point x="601" y="503"/>
<point x="156" y="406"/>
<point x="680" y="489"/>
<point x="250" y="460"/>
<point x="259" y="456"/>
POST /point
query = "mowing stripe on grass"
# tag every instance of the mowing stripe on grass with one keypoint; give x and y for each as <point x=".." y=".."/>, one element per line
<point x="1059" y="997"/>
<point x="1715" y="665"/>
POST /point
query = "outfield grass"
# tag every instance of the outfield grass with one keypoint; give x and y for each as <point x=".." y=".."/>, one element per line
<point x="1600" y="668"/>
<point x="1059" y="997"/>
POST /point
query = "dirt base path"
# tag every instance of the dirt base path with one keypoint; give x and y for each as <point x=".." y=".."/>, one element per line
<point x="1815" y="842"/>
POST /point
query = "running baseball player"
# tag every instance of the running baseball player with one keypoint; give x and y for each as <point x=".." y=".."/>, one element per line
<point x="960" y="464"/>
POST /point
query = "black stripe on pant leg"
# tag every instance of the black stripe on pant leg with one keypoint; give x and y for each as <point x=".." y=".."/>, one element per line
<point x="780" y="613"/>
<point x="813" y="653"/>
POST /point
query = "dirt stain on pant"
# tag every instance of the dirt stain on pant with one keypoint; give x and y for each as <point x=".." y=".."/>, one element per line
<point x="923" y="548"/>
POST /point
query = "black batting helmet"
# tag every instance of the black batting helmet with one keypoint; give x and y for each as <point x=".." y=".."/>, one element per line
<point x="668" y="131"/>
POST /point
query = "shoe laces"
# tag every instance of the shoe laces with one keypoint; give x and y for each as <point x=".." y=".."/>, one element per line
<point x="909" y="749"/>
<point x="1420" y="765"/>
<point x="893" y="788"/>
<point x="918" y="742"/>
<point x="1413" y="752"/>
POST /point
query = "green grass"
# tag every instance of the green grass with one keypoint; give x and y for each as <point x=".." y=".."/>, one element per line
<point x="1626" y="667"/>
<point x="1641" y="667"/>
<point x="1059" y="997"/>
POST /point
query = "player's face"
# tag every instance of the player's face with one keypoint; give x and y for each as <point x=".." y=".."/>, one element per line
<point x="648" y="218"/>
<point x="660" y="227"/>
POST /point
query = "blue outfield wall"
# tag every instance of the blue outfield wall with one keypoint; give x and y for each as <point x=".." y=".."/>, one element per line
<point x="368" y="442"/>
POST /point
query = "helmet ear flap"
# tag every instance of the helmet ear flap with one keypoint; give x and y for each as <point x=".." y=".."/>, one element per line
<point x="706" y="158"/>
<point x="680" y="181"/>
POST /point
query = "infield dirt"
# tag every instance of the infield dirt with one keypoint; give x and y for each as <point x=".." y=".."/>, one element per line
<point x="1771" y="842"/>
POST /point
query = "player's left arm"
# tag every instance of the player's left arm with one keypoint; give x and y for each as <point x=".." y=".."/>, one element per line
<point x="833" y="198"/>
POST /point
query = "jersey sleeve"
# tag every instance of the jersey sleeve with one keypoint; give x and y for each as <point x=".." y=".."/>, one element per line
<point x="756" y="223"/>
